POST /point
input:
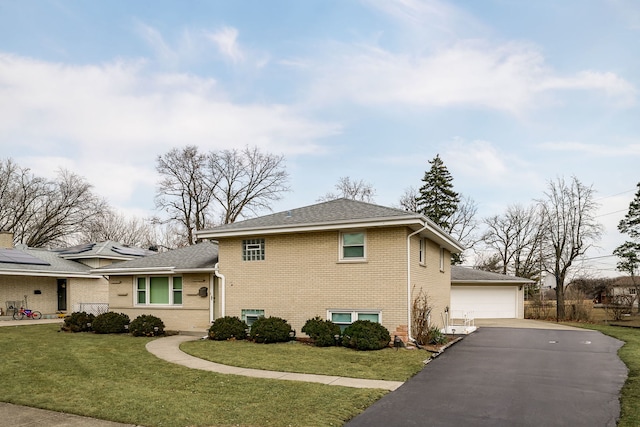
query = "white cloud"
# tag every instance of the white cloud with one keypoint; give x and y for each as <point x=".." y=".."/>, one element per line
<point x="226" y="39"/>
<point x="599" y="150"/>
<point x="115" y="114"/>
<point x="511" y="77"/>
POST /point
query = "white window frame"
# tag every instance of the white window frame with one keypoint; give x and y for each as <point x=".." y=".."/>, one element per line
<point x="147" y="291"/>
<point x="254" y="316"/>
<point x="422" y="256"/>
<point x="441" y="259"/>
<point x="342" y="246"/>
<point x="354" y="315"/>
<point x="253" y="250"/>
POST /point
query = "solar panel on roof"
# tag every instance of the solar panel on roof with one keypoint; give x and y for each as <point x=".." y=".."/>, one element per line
<point x="75" y="249"/>
<point x="124" y="250"/>
<point x="14" y="256"/>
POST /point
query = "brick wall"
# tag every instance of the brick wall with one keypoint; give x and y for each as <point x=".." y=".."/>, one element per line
<point x="302" y="277"/>
<point x="193" y="315"/>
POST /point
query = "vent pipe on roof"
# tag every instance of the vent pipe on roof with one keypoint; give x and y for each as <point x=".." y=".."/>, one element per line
<point x="6" y="239"/>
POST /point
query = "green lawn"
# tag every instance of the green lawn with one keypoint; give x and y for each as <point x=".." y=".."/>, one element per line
<point x="387" y="364"/>
<point x="630" y="355"/>
<point x="113" y="377"/>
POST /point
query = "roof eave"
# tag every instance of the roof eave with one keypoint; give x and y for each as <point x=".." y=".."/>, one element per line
<point x="414" y="221"/>
<point x="48" y="273"/>
<point x="492" y="282"/>
<point x="130" y="271"/>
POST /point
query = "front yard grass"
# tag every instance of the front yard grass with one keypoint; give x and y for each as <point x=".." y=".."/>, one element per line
<point x="113" y="377"/>
<point x="386" y="364"/>
<point x="630" y="355"/>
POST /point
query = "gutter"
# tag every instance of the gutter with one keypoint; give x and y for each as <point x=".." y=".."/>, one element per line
<point x="222" y="294"/>
<point x="409" y="337"/>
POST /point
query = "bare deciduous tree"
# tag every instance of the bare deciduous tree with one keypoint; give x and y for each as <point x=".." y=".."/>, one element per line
<point x="198" y="190"/>
<point x="246" y="180"/>
<point x="354" y="190"/>
<point x="119" y="228"/>
<point x="569" y="228"/>
<point x="409" y="199"/>
<point x="185" y="191"/>
<point x="515" y="237"/>
<point x="41" y="212"/>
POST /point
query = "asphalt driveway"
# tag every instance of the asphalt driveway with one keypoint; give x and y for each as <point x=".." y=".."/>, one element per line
<point x="511" y="377"/>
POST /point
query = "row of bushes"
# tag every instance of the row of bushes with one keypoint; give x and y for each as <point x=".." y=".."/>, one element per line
<point x="360" y="335"/>
<point x="144" y="325"/>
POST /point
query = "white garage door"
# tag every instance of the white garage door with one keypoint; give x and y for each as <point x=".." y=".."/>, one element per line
<point x="485" y="302"/>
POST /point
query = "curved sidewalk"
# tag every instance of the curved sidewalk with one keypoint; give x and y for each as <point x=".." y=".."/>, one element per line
<point x="168" y="349"/>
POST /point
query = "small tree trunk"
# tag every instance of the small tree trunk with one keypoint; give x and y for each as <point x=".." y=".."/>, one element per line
<point x="560" y="313"/>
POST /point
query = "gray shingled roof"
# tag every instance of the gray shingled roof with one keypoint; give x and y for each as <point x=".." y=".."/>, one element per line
<point x="56" y="264"/>
<point x="327" y="212"/>
<point x="466" y="274"/>
<point x="201" y="256"/>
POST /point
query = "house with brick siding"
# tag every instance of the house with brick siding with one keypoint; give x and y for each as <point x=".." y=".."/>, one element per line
<point x="182" y="287"/>
<point x="342" y="260"/>
<point x="57" y="281"/>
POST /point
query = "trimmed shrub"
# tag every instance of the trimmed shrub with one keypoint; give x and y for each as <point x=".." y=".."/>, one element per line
<point x="270" y="329"/>
<point x="146" y="325"/>
<point x="110" y="323"/>
<point x="228" y="327"/>
<point x="322" y="332"/>
<point x="78" y="322"/>
<point x="366" y="335"/>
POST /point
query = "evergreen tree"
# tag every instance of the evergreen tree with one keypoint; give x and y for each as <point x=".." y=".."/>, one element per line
<point x="630" y="224"/>
<point x="629" y="252"/>
<point x="437" y="200"/>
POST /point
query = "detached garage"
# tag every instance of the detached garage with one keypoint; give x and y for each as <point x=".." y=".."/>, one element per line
<point x="478" y="294"/>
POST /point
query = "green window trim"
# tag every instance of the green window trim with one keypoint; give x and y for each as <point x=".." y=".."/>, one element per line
<point x="158" y="291"/>
<point x="353" y="246"/>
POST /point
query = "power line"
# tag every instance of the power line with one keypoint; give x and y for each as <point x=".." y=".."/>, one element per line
<point x="617" y="194"/>
<point x="611" y="213"/>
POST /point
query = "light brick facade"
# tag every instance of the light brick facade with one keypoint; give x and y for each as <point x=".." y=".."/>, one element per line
<point x="302" y="277"/>
<point x="192" y="315"/>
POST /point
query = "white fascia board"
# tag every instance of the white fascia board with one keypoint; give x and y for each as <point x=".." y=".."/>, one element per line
<point x="133" y="271"/>
<point x="419" y="221"/>
<point x="196" y="270"/>
<point x="48" y="274"/>
<point x="342" y="225"/>
<point x="492" y="282"/>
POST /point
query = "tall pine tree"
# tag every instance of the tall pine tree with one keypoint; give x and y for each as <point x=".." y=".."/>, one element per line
<point x="629" y="252"/>
<point x="437" y="200"/>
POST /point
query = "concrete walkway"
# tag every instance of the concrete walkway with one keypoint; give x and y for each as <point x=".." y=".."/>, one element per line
<point x="168" y="349"/>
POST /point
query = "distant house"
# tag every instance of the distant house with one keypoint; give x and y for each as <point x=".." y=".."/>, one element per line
<point x="57" y="281"/>
<point x="342" y="260"/>
<point x="484" y="295"/>
<point x="623" y="285"/>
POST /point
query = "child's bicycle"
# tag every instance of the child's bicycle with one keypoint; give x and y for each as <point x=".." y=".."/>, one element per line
<point x="23" y="312"/>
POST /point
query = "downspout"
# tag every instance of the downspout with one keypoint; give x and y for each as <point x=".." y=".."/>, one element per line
<point x="222" y="294"/>
<point x="409" y="337"/>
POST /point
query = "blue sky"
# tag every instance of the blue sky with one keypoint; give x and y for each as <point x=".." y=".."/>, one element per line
<point x="511" y="94"/>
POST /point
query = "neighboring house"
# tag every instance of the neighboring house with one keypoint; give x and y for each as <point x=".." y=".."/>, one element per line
<point x="624" y="285"/>
<point x="57" y="281"/>
<point x="478" y="294"/>
<point x="342" y="260"/>
<point x="176" y="286"/>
